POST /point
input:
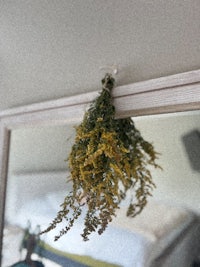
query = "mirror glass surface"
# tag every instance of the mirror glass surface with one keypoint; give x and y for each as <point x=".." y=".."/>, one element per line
<point x="37" y="185"/>
<point x="37" y="169"/>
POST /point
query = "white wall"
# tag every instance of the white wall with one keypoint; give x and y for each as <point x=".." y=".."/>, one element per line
<point x="51" y="49"/>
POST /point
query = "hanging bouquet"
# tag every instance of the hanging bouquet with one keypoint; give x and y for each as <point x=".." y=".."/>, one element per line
<point x="109" y="157"/>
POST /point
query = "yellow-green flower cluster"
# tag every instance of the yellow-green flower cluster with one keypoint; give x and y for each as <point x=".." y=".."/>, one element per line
<point x="108" y="158"/>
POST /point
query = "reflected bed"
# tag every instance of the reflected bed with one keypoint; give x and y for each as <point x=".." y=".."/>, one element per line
<point x="161" y="235"/>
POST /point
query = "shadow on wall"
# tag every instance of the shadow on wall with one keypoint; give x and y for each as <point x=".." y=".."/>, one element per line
<point x="191" y="142"/>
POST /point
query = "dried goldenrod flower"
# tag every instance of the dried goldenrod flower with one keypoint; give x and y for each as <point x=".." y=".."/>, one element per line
<point x="108" y="158"/>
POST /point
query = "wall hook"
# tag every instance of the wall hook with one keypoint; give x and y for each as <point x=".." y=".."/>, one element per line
<point x="112" y="69"/>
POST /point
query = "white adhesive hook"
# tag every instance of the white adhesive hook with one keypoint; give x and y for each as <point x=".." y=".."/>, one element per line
<point x="110" y="69"/>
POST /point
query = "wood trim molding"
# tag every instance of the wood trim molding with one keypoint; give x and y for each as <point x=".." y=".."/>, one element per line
<point x="173" y="90"/>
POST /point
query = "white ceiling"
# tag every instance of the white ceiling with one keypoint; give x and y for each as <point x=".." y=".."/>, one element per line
<point x="55" y="48"/>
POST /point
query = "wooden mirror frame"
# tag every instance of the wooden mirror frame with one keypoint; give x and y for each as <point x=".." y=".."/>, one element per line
<point x="175" y="93"/>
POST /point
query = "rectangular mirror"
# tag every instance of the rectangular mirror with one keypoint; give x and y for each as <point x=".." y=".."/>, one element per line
<point x="37" y="185"/>
<point x="175" y="200"/>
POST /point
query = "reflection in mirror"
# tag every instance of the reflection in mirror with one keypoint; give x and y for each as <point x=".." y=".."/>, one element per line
<point x="179" y="182"/>
<point x="164" y="234"/>
<point x="37" y="171"/>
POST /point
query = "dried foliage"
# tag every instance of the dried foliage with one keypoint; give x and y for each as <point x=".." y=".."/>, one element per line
<point x="108" y="158"/>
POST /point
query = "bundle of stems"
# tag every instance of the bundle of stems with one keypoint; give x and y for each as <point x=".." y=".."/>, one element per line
<point x="108" y="158"/>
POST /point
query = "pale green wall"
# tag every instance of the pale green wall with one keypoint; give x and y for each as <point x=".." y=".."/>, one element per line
<point x="45" y="149"/>
<point x="177" y="183"/>
<point x="40" y="149"/>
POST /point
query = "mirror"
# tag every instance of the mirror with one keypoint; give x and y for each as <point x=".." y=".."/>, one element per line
<point x="57" y="114"/>
<point x="37" y="177"/>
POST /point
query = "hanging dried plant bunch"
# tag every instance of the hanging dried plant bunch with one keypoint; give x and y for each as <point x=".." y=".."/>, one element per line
<point x="109" y="157"/>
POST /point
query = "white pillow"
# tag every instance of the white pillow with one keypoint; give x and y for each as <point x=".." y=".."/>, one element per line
<point x="155" y="222"/>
